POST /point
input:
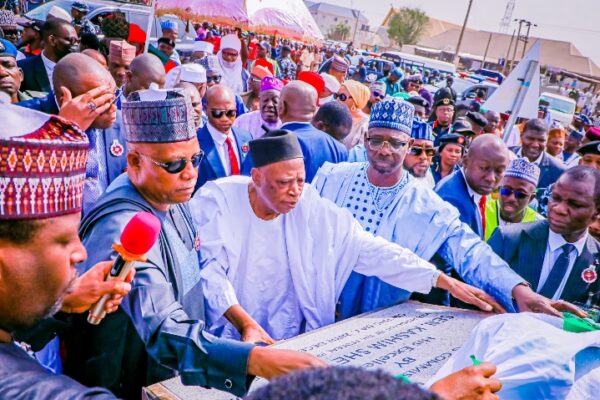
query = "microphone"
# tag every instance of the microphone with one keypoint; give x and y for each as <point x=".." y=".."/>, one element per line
<point x="138" y="237"/>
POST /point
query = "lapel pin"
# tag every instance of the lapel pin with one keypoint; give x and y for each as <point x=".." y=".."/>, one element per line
<point x="116" y="148"/>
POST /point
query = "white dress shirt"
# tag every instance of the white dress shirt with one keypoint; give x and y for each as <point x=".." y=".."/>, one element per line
<point x="537" y="162"/>
<point x="219" y="139"/>
<point x="553" y="251"/>
<point x="49" y="65"/>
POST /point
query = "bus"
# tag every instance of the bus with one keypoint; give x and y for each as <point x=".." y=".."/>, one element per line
<point x="424" y="63"/>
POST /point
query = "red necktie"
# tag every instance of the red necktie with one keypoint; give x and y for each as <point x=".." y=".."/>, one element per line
<point x="235" y="166"/>
<point x="482" y="212"/>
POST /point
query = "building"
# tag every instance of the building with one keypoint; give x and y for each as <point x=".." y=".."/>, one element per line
<point x="328" y="16"/>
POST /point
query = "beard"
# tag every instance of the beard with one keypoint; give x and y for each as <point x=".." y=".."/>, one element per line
<point x="55" y="308"/>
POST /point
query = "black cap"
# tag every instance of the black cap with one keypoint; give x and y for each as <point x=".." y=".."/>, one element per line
<point x="34" y="24"/>
<point x="275" y="146"/>
<point x="590" y="148"/>
<point x="477" y="118"/>
<point x="452" y="138"/>
<point x="168" y="41"/>
<point x="463" y="127"/>
<point x="418" y="101"/>
<point x="79" y="6"/>
<point x="443" y="97"/>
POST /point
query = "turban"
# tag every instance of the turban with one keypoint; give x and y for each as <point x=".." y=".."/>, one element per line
<point x="231" y="42"/>
<point x="359" y="92"/>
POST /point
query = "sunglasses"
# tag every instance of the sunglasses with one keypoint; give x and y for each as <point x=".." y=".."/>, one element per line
<point x="505" y="192"/>
<point x="417" y="151"/>
<point x="380" y="95"/>
<point x="218" y="114"/>
<point x="72" y="41"/>
<point x="12" y="33"/>
<point x="175" y="167"/>
<point x="341" y="97"/>
<point x="377" y="143"/>
<point x="215" y="79"/>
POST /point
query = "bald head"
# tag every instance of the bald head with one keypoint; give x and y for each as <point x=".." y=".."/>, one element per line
<point x="96" y="55"/>
<point x="219" y="94"/>
<point x="298" y="102"/>
<point x="80" y="73"/>
<point x="144" y="70"/>
<point x="485" y="163"/>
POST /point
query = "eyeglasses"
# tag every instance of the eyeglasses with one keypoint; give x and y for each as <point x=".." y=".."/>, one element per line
<point x="377" y="143"/>
<point x="341" y="97"/>
<point x="380" y="95"/>
<point x="218" y="114"/>
<point x="175" y="167"/>
<point x="12" y="33"/>
<point x="72" y="40"/>
<point x="417" y="151"/>
<point x="505" y="192"/>
<point x="215" y="79"/>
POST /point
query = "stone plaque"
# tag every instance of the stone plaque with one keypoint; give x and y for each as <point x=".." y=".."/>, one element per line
<point x="413" y="339"/>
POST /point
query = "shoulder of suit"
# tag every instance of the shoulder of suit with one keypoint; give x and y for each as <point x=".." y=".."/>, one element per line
<point x="241" y="134"/>
<point x="555" y="162"/>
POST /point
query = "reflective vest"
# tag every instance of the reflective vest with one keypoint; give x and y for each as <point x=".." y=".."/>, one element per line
<point x="492" y="217"/>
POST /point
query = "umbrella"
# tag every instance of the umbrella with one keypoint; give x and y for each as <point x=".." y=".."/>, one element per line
<point x="225" y="12"/>
<point x="288" y="18"/>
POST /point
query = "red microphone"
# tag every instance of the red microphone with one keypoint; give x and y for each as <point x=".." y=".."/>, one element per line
<point x="138" y="237"/>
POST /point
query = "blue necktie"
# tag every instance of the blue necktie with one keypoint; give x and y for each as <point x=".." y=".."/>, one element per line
<point x="557" y="274"/>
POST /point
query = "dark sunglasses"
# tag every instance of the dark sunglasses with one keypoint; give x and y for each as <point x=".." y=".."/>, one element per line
<point x="175" y="167"/>
<point x="380" y="95"/>
<point x="341" y="97"/>
<point x="218" y="114"/>
<point x="505" y="192"/>
<point x="12" y="33"/>
<point x="215" y="79"/>
<point x="72" y="41"/>
<point x="417" y="151"/>
<point x="377" y="143"/>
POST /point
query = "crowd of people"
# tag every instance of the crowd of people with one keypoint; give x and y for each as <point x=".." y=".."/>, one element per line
<point x="291" y="195"/>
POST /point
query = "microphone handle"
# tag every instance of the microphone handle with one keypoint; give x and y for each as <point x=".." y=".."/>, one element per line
<point x="119" y="270"/>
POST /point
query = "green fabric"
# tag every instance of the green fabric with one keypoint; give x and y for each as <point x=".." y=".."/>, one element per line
<point x="491" y="217"/>
<point x="403" y="378"/>
<point x="402" y="95"/>
<point x="575" y="324"/>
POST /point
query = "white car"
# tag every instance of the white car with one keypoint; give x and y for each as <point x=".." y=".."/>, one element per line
<point x="561" y="108"/>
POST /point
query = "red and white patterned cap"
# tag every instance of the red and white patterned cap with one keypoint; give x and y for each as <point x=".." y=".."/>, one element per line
<point x="42" y="165"/>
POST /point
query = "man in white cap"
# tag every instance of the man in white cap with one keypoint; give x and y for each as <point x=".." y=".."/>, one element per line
<point x="192" y="73"/>
<point x="332" y="86"/>
<point x="234" y="75"/>
<point x="201" y="50"/>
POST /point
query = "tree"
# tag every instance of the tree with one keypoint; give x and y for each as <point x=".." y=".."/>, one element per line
<point x="407" y="26"/>
<point x="339" y="32"/>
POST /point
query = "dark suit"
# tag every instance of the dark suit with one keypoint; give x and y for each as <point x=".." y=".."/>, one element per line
<point x="454" y="190"/>
<point x="43" y="104"/>
<point x="35" y="77"/>
<point x="523" y="247"/>
<point x="211" y="167"/>
<point x="317" y="147"/>
<point x="550" y="169"/>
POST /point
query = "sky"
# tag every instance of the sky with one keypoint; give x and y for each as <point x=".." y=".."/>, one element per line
<point x="575" y="21"/>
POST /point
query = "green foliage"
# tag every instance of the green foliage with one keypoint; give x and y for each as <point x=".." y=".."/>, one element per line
<point x="407" y="26"/>
<point x="339" y="32"/>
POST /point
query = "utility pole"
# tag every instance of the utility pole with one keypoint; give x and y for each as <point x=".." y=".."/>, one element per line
<point x="462" y="32"/>
<point x="505" y="68"/>
<point x="512" y="60"/>
<point x="526" y="38"/>
<point x="486" y="50"/>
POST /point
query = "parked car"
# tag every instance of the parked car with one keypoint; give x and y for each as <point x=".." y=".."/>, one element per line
<point x="466" y="90"/>
<point x="134" y="13"/>
<point x="562" y="109"/>
<point x="375" y="66"/>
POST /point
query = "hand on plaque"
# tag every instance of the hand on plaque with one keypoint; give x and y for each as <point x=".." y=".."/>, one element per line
<point x="254" y="333"/>
<point x="270" y="363"/>
<point x="471" y="383"/>
<point x="469" y="294"/>
<point x="528" y="300"/>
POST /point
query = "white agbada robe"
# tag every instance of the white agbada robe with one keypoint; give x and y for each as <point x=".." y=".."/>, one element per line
<point x="314" y="247"/>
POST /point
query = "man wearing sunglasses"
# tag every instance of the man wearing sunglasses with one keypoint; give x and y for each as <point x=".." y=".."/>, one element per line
<point x="226" y="147"/>
<point x="59" y="39"/>
<point x="517" y="189"/>
<point x="161" y="330"/>
<point x="388" y="202"/>
<point x="419" y="157"/>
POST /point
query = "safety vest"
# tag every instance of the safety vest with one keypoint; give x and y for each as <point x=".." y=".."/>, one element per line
<point x="492" y="217"/>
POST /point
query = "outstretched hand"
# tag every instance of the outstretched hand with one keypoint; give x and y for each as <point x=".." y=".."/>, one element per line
<point x="469" y="294"/>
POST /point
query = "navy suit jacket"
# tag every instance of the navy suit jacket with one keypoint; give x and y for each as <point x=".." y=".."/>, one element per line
<point x="523" y="247"/>
<point x="551" y="169"/>
<point x="35" y="77"/>
<point x="211" y="167"/>
<point x="317" y="147"/>
<point x="43" y="104"/>
<point x="454" y="190"/>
